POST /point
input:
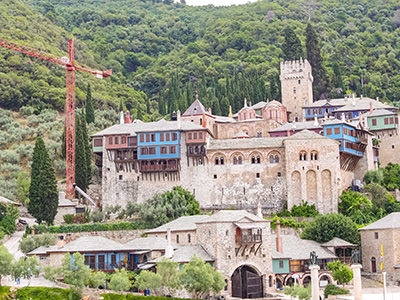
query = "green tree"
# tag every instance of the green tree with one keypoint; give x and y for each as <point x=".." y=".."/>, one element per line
<point x="26" y="268"/>
<point x="97" y="279"/>
<point x="88" y="150"/>
<point x="378" y="195"/>
<point x="43" y="195"/>
<point x="30" y="243"/>
<point x="165" y="207"/>
<point x="5" y="262"/>
<point x="75" y="273"/>
<point x="81" y="171"/>
<point x="341" y="272"/>
<point x="291" y="48"/>
<point x="89" y="110"/>
<point x="120" y="281"/>
<point x="391" y="176"/>
<point x="326" y="227"/>
<point x="147" y="280"/>
<point x="356" y="206"/>
<point x="320" y="84"/>
<point x="169" y="274"/>
<point x="200" y="278"/>
<point x="375" y="176"/>
<point x="23" y="187"/>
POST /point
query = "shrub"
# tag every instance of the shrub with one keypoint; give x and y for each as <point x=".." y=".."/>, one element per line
<point x="120" y="281"/>
<point x="69" y="218"/>
<point x="9" y="156"/>
<point x="97" y="215"/>
<point x="31" y="243"/>
<point x="42" y="293"/>
<point x="332" y="289"/>
<point x="27" y="110"/>
<point x="341" y="272"/>
<point x="97" y="279"/>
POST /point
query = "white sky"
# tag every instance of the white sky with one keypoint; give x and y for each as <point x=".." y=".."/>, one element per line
<point x="218" y="2"/>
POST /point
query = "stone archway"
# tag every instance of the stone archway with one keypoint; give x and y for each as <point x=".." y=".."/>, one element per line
<point x="247" y="283"/>
<point x="306" y="280"/>
<point x="325" y="279"/>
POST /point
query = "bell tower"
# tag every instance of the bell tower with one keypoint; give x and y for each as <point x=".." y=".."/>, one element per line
<point x="296" y="87"/>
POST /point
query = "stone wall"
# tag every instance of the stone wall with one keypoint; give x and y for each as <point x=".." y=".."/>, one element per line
<point x="120" y="236"/>
<point x="389" y="147"/>
<point x="61" y="211"/>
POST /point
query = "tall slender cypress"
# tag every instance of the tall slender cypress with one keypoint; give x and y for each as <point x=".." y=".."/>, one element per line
<point x="321" y="82"/>
<point x="291" y="47"/>
<point x="81" y="173"/>
<point x="89" y="106"/>
<point x="88" y="149"/>
<point x="43" y="195"/>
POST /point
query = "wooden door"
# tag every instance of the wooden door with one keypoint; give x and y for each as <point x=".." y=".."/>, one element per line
<point x="92" y="262"/>
<point x="101" y="262"/>
<point x="253" y="285"/>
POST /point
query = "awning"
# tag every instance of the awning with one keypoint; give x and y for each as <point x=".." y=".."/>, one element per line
<point x="247" y="226"/>
<point x="146" y="266"/>
<point x="141" y="252"/>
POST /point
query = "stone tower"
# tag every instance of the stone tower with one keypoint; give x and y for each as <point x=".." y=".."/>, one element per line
<point x="296" y="86"/>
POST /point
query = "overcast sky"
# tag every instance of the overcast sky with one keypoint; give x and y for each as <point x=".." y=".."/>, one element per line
<point x="218" y="2"/>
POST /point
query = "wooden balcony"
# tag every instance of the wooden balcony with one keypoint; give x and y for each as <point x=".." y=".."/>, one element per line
<point x="159" y="166"/>
<point x="246" y="233"/>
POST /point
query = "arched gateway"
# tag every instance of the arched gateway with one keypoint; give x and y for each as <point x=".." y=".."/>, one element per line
<point x="246" y="283"/>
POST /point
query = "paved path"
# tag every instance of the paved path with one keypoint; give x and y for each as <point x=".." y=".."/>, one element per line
<point x="13" y="244"/>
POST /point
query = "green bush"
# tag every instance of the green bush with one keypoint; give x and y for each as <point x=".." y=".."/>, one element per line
<point x="288" y="222"/>
<point x="42" y="293"/>
<point x="136" y="297"/>
<point x="69" y="218"/>
<point x="4" y="292"/>
<point x="31" y="243"/>
<point x="89" y="227"/>
<point x="332" y="289"/>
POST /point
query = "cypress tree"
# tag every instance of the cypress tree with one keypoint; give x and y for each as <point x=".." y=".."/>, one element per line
<point x="43" y="195"/>
<point x="88" y="149"/>
<point x="320" y="84"/>
<point x="64" y="143"/>
<point x="291" y="47"/>
<point x="89" y="106"/>
<point x="225" y="106"/>
<point x="81" y="173"/>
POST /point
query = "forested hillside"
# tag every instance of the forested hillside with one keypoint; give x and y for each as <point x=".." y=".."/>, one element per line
<point x="26" y="81"/>
<point x="227" y="53"/>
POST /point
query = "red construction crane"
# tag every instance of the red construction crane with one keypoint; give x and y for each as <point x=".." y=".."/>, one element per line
<point x="69" y="63"/>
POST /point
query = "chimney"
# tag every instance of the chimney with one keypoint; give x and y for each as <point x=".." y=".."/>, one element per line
<point x="230" y="111"/>
<point x="121" y="117"/>
<point x="169" y="250"/>
<point x="371" y="108"/>
<point x="259" y="210"/>
<point x="377" y="98"/>
<point x="288" y="132"/>
<point x="279" y="246"/>
<point x="204" y="120"/>
<point x="245" y="102"/>
<point x="128" y="118"/>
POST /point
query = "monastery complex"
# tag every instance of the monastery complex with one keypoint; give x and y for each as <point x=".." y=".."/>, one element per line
<point x="271" y="153"/>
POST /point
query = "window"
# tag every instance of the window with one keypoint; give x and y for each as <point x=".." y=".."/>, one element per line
<point x="152" y="150"/>
<point x="281" y="264"/>
<point x="190" y="150"/>
<point x="116" y="140"/>
<point x="329" y="131"/>
<point x="259" y="134"/>
<point x="172" y="149"/>
<point x="153" y="137"/>
<point x="235" y="160"/>
<point x="200" y="135"/>
<point x="222" y="160"/>
<point x="98" y="142"/>
<point x="253" y="160"/>
<point x="215" y="176"/>
<point x="337" y="130"/>
<point x="392" y="146"/>
<point x="161" y="137"/>
<point x="163" y="150"/>
<point x="257" y="175"/>
<point x="373" y="122"/>
<point x="110" y="140"/>
<point x="189" y="238"/>
<point x="217" y="161"/>
<point x="167" y="137"/>
<point x="190" y="136"/>
<point x="303" y="156"/>
<point x="276" y="159"/>
<point x="391" y="121"/>
<point x="299" y="81"/>
<point x="177" y="238"/>
<point x="314" y="155"/>
<point x="174" y="136"/>
<point x="120" y="177"/>
<point x="195" y="135"/>
<point x="397" y="120"/>
<point x="386" y="121"/>
<point x="294" y="90"/>
<point x="320" y="111"/>
<point x="279" y="174"/>
<point x="240" y="160"/>
<point x="271" y="159"/>
<point x="147" y="138"/>
<point x="201" y="121"/>
<point x="123" y="140"/>
<point x="142" y="138"/>
<point x="376" y="235"/>
<point x="258" y="159"/>
<point x="144" y="151"/>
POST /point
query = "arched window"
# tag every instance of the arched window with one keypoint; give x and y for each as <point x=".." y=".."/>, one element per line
<point x="276" y="159"/>
<point x="240" y="160"/>
<point x="253" y="160"/>
<point x="271" y="159"/>
<point x="314" y="155"/>
<point x="258" y="159"/>
<point x="222" y="160"/>
<point x="216" y="161"/>
<point x="303" y="155"/>
<point x="235" y="160"/>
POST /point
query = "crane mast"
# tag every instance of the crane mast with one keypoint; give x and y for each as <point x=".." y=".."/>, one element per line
<point x="71" y="67"/>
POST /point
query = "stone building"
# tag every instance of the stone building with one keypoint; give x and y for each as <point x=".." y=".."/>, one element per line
<point x="383" y="234"/>
<point x="296" y="87"/>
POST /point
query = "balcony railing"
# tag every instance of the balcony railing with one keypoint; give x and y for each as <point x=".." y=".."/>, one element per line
<point x="159" y="168"/>
<point x="249" y="238"/>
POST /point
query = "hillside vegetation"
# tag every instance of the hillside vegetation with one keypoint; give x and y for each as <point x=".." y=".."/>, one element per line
<point x="26" y="81"/>
<point x="171" y="50"/>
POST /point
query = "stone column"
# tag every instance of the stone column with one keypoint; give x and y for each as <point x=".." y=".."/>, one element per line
<point x="314" y="282"/>
<point x="357" y="281"/>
